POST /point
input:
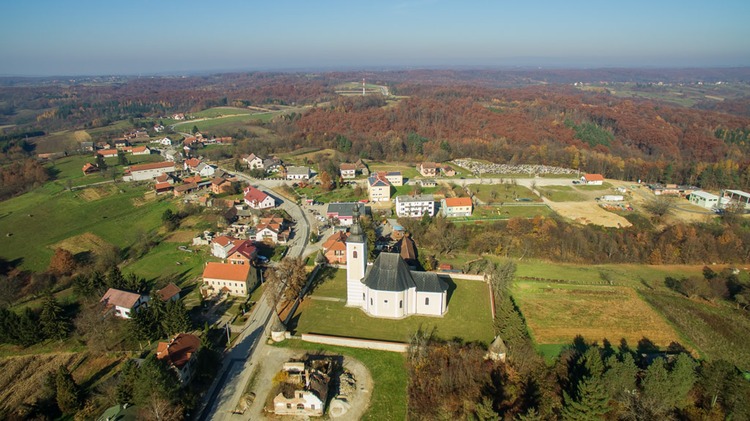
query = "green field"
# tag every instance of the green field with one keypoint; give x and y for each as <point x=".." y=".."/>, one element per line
<point x="562" y="194"/>
<point x="502" y="193"/>
<point x="388" y="400"/>
<point x="221" y="111"/>
<point x="341" y="194"/>
<point x="408" y="190"/>
<point x="718" y="330"/>
<point x="408" y="171"/>
<point x="468" y="315"/>
<point x="32" y="223"/>
<point x="498" y="213"/>
<point x="556" y="313"/>
<point x="166" y="260"/>
<point x="70" y="168"/>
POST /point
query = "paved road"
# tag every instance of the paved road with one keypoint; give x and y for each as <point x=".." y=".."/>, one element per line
<point x="224" y="395"/>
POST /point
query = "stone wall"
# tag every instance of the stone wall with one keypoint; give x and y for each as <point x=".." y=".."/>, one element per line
<point x="355" y="343"/>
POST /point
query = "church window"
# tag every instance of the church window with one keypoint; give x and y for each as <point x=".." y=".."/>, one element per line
<point x="426" y="301"/>
<point x="385" y="301"/>
<point x="370" y="300"/>
<point x="354" y="254"/>
<point x="401" y="304"/>
<point x="363" y="296"/>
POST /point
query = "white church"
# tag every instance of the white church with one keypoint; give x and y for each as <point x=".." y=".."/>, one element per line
<point x="388" y="288"/>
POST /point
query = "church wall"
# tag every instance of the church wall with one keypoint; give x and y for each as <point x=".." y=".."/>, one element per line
<point x="386" y="303"/>
<point x="431" y="303"/>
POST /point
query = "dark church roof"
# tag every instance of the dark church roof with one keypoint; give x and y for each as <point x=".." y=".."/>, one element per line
<point x="389" y="272"/>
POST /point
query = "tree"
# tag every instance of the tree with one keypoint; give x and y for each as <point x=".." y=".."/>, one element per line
<point x="121" y="158"/>
<point x="194" y="130"/>
<point x="68" y="392"/>
<point x="62" y="262"/>
<point x="590" y="399"/>
<point x="101" y="163"/>
<point x="286" y="279"/>
<point x="325" y="181"/>
<point x="660" y="206"/>
<point x="52" y="319"/>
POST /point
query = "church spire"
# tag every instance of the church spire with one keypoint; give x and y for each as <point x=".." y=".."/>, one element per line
<point x="356" y="234"/>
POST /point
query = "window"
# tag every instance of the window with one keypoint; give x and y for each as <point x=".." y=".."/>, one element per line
<point x="370" y="300"/>
<point x="385" y="301"/>
<point x="300" y="406"/>
<point x="289" y="406"/>
<point x="426" y="301"/>
<point x="401" y="304"/>
<point x="312" y="406"/>
<point x="363" y="296"/>
<point x="354" y="254"/>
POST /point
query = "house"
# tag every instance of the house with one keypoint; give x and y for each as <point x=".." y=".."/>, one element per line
<point x="272" y="230"/>
<point x="165" y="178"/>
<point x="415" y="206"/>
<point x="148" y="171"/>
<point x="205" y="170"/>
<point x="298" y="173"/>
<point x="737" y="196"/>
<point x="447" y="171"/>
<point x="258" y="199"/>
<point x="237" y="280"/>
<point x="253" y="161"/>
<point x="171" y="292"/>
<point x="191" y="165"/>
<point x="178" y="116"/>
<point x="334" y="248"/>
<point x="427" y="182"/>
<point x="393" y="177"/>
<point x="273" y="164"/>
<point x="163" y="187"/>
<point x="378" y="188"/>
<point x="672" y="190"/>
<point x="389" y="288"/>
<point x="452" y="207"/>
<point x="221" y="185"/>
<point x="123" y="302"/>
<point x="308" y="398"/>
<point x="221" y="246"/>
<point x="107" y="153"/>
<point x="86" y="146"/>
<point x="185" y="188"/>
<point x="428" y="169"/>
<point x="348" y="171"/>
<point x="592" y="179"/>
<point x="121" y="143"/>
<point x="244" y="252"/>
<point x="180" y="354"/>
<point x="89" y="168"/>
<point x="158" y="128"/>
<point x="344" y="212"/>
<point x="140" y="150"/>
<point x="165" y="141"/>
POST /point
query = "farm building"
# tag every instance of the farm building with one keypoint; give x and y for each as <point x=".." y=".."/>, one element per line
<point x="149" y="171"/>
<point x="738" y="196"/>
<point x="704" y="199"/>
<point x="298" y="173"/>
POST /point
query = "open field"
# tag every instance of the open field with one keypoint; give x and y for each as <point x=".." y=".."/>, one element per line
<point x="228" y="122"/>
<point x="69" y="168"/>
<point x="408" y="171"/>
<point x="22" y="378"/>
<point x="557" y="313"/>
<point x="502" y="193"/>
<point x="408" y="190"/>
<point x="221" y="111"/>
<point x="562" y="194"/>
<point x="388" y="401"/>
<point x="468" y="315"/>
<point x="31" y="223"/>
<point x="491" y="213"/>
<point x="717" y="330"/>
<point x="166" y="260"/>
<point x="341" y="194"/>
<point x="588" y="212"/>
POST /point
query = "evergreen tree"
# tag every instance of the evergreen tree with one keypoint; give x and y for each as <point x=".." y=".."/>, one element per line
<point x="591" y="398"/>
<point x="483" y="411"/>
<point x="530" y="415"/>
<point x="620" y="377"/>
<point x="176" y="318"/>
<point x="121" y="158"/>
<point x="682" y="378"/>
<point x="52" y="319"/>
<point x="68" y="392"/>
<point x="115" y="278"/>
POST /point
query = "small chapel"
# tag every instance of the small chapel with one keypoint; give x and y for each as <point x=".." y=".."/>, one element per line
<point x="389" y="288"/>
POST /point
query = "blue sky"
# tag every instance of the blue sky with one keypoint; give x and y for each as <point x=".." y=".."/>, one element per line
<point x="72" y="37"/>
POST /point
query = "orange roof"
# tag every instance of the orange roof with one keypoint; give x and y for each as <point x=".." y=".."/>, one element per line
<point x="179" y="350"/>
<point x="168" y="291"/>
<point x="162" y="186"/>
<point x="244" y="248"/>
<point x="151" y="166"/>
<point x="593" y="177"/>
<point x="105" y="152"/>
<point x="348" y="167"/>
<point x="139" y="148"/>
<point x="192" y="162"/>
<point x="336" y="238"/>
<point x="226" y="271"/>
<point x="429" y="165"/>
<point x="223" y="240"/>
<point x="457" y="201"/>
<point x="195" y="179"/>
<point x="90" y="167"/>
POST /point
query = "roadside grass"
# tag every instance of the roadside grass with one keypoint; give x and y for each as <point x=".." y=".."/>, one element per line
<point x="562" y="194"/>
<point x="557" y="313"/>
<point x="717" y="329"/>
<point x="468" y="315"/>
<point x="34" y="221"/>
<point x="502" y="193"/>
<point x="388" y="399"/>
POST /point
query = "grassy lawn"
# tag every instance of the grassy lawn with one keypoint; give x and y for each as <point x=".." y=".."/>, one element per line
<point x="408" y="190"/>
<point x="717" y="330"/>
<point x="221" y="111"/>
<point x="407" y="171"/>
<point x="230" y="121"/>
<point x="43" y="217"/>
<point x="562" y="194"/>
<point x="557" y="313"/>
<point x="500" y="193"/>
<point x="388" y="400"/>
<point x="468" y="315"/>
<point x="70" y="168"/>
<point x="341" y="194"/>
<point x="485" y="213"/>
<point x="165" y="260"/>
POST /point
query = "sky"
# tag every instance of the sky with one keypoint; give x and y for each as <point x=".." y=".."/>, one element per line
<point x="140" y="37"/>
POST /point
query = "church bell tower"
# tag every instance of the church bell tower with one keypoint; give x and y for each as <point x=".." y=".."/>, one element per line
<point x="356" y="262"/>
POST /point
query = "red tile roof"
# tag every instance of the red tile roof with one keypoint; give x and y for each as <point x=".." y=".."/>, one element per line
<point x="162" y="186"/>
<point x="244" y="248"/>
<point x="169" y="291"/>
<point x="226" y="271"/>
<point x="593" y="177"/>
<point x="107" y="152"/>
<point x="136" y="149"/>
<point x="457" y="201"/>
<point x="254" y="195"/>
<point x="151" y="166"/>
<point x="179" y="350"/>
<point x="337" y="237"/>
<point x="223" y="240"/>
<point x="192" y="162"/>
<point x="348" y="167"/>
<point x="116" y="297"/>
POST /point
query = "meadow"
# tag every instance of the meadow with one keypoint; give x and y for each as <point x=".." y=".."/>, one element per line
<point x="501" y="193"/>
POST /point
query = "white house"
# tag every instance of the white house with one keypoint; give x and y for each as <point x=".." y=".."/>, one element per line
<point x="704" y="199"/>
<point x="378" y="188"/>
<point x="298" y="173"/>
<point x="304" y="401"/>
<point x="227" y="278"/>
<point x="124" y="303"/>
<point x="253" y="161"/>
<point x="150" y="171"/>
<point x="348" y="171"/>
<point x="258" y="199"/>
<point x="388" y="288"/>
<point x="271" y="230"/>
<point x="456" y="206"/>
<point x="415" y="206"/>
<point x="205" y="170"/>
<point x="221" y="245"/>
<point x="592" y="179"/>
<point x="165" y="141"/>
<point x="738" y="196"/>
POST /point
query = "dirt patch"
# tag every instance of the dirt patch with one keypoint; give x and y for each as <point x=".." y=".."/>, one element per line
<point x="95" y="193"/>
<point x="181" y="236"/>
<point x="81" y="243"/>
<point x="587" y="213"/>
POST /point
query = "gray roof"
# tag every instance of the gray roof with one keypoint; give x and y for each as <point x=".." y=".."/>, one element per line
<point x="390" y="273"/>
<point x="298" y="170"/>
<point x="417" y="198"/>
<point x="346" y="208"/>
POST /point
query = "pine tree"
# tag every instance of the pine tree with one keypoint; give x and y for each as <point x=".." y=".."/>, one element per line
<point x="52" y="319"/>
<point x="591" y="397"/>
<point x="68" y="393"/>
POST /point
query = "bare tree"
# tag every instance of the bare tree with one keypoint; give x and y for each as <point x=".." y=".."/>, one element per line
<point x="287" y="279"/>
<point x="660" y="206"/>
